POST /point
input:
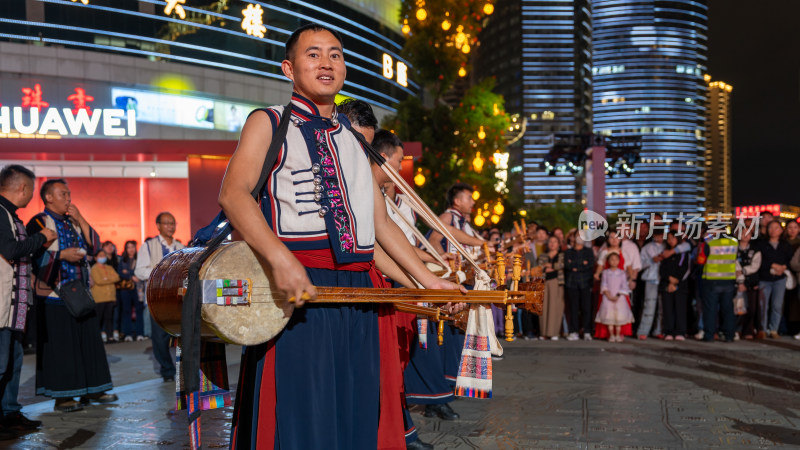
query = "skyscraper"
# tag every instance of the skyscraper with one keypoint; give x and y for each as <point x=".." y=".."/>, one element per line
<point x="540" y="53"/>
<point x="648" y="64"/>
<point x="718" y="147"/>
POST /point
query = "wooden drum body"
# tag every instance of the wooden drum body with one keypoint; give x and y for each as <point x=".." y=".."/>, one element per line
<point x="259" y="319"/>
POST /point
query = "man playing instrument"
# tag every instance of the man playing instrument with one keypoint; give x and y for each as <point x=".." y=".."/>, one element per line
<point x="316" y="385"/>
<point x="363" y="120"/>
<point x="459" y="207"/>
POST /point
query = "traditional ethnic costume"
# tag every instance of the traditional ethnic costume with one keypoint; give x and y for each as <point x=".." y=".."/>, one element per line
<point x="432" y="371"/>
<point x="70" y="357"/>
<point x="15" y="287"/>
<point x="316" y="385"/>
<point x="453" y="337"/>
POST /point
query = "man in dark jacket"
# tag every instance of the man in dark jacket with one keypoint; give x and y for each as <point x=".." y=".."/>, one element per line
<point x="579" y="265"/>
<point x="776" y="254"/>
<point x="16" y="247"/>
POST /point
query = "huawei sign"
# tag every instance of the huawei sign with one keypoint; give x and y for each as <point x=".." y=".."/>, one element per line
<point x="67" y="122"/>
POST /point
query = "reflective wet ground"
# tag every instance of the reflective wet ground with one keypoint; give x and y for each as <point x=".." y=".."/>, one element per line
<point x="634" y="395"/>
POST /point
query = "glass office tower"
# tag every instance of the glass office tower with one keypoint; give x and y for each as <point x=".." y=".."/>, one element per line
<point x="649" y="58"/>
<point x="540" y="54"/>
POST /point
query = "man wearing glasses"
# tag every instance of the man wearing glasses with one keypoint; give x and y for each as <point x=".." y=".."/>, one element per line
<point x="153" y="250"/>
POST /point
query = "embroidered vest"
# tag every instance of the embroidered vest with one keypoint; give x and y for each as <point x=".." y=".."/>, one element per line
<point x="319" y="194"/>
<point x="15" y="282"/>
<point x="459" y="222"/>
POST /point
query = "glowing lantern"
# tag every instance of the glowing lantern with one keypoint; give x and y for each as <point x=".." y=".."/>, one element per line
<point x="477" y="163"/>
<point x="422" y="14"/>
<point x="475" y="196"/>
<point x="495" y="218"/>
<point x="419" y="178"/>
<point x="461" y="38"/>
<point x="488" y="9"/>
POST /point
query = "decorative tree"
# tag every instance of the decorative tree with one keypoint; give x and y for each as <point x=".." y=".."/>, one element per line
<point x="440" y="36"/>
<point x="458" y="145"/>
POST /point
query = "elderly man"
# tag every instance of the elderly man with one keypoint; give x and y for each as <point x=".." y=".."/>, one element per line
<point x="70" y="358"/>
<point x="16" y="247"/>
<point x="152" y="251"/>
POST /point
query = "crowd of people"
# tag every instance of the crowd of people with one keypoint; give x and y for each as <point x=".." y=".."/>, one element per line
<point x="341" y="375"/>
<point x="63" y="309"/>
<point x="669" y="284"/>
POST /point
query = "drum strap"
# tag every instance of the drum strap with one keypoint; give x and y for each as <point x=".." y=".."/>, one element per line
<point x="192" y="301"/>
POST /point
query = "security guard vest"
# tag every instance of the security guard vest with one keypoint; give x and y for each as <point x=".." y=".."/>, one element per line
<point x="721" y="262"/>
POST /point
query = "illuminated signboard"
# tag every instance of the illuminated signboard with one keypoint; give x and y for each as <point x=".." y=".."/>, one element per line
<point x="389" y="70"/>
<point x="66" y="122"/>
<point x="55" y="109"/>
<point x="182" y="110"/>
<point x="755" y="210"/>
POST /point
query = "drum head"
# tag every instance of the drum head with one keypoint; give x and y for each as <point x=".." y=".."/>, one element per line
<point x="265" y="316"/>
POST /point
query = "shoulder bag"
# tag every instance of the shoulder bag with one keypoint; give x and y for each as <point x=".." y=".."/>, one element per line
<point x="77" y="298"/>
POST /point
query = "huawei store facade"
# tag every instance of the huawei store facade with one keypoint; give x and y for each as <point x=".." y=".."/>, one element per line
<point x="139" y="103"/>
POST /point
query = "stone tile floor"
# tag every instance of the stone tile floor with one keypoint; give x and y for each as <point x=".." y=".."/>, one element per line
<point x="587" y="395"/>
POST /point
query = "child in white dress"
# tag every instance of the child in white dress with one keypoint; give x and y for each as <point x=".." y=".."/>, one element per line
<point x="614" y="309"/>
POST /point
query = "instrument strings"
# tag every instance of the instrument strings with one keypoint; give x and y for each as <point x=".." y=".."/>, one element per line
<point x="420" y="238"/>
<point x="431" y="219"/>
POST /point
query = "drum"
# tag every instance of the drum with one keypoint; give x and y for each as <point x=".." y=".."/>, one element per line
<point x="252" y="314"/>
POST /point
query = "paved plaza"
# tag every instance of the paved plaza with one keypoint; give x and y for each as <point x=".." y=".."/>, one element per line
<point x="634" y="395"/>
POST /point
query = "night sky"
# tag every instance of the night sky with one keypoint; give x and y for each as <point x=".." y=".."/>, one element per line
<point x="755" y="46"/>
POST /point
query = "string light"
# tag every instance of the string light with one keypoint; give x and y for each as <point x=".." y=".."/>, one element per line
<point x="481" y="134"/>
<point x="477" y="163"/>
<point x="462" y="72"/>
<point x="446" y="25"/>
<point x="479" y="220"/>
<point x="475" y="196"/>
<point x="419" y="178"/>
<point x="495" y="218"/>
<point x="406" y="29"/>
<point x="422" y="14"/>
<point x="465" y="48"/>
<point x="488" y="9"/>
<point x="499" y="208"/>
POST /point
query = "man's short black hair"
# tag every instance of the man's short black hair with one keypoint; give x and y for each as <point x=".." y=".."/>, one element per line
<point x="358" y="112"/>
<point x="456" y="189"/>
<point x="291" y="43"/>
<point x="386" y="142"/>
<point x="11" y="174"/>
<point x="47" y="187"/>
<point x="161" y="216"/>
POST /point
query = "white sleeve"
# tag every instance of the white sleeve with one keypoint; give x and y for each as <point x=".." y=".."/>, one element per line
<point x="143" y="263"/>
<point x="633" y="255"/>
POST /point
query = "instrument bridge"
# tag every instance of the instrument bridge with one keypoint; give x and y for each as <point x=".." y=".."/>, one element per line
<point x="226" y="292"/>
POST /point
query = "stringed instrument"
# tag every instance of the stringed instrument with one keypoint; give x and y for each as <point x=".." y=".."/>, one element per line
<point x="240" y="306"/>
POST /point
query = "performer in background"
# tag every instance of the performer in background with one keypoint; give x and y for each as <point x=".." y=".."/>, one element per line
<point x="70" y="357"/>
<point x="154" y="250"/>
<point x="316" y="385"/>
<point x="16" y="247"/>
